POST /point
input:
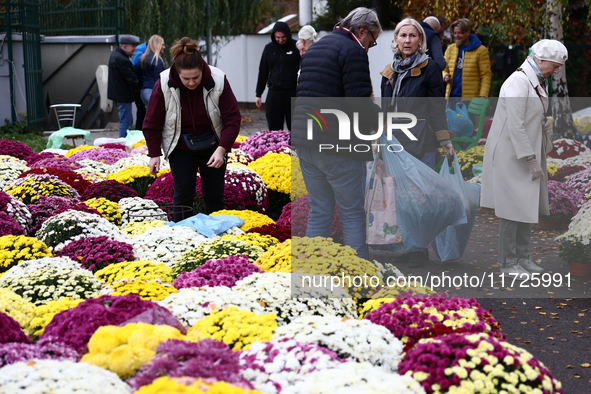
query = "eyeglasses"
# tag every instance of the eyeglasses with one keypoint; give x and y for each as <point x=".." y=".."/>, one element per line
<point x="374" y="43"/>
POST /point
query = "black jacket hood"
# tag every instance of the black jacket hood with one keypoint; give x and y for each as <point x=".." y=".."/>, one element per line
<point x="284" y="28"/>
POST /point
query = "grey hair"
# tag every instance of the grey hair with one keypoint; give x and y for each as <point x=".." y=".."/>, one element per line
<point x="431" y="21"/>
<point x="361" y="17"/>
<point x="307" y="34"/>
<point x="412" y="22"/>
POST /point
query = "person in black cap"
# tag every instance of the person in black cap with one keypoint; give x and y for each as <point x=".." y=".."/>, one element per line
<point x="278" y="69"/>
<point x="123" y="83"/>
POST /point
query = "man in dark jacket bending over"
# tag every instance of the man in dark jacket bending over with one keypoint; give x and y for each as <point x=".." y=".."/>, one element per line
<point x="337" y="66"/>
<point x="278" y="69"/>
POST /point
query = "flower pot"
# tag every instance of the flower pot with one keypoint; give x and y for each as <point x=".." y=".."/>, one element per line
<point x="545" y="223"/>
<point x="578" y="269"/>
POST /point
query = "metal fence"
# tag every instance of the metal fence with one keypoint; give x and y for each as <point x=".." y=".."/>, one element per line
<point x="82" y="17"/>
<point x="22" y="17"/>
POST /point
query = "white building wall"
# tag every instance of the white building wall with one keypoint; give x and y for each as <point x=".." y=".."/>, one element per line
<point x="240" y="57"/>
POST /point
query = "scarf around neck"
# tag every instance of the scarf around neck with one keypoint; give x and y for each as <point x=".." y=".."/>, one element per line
<point x="402" y="66"/>
<point x="537" y="70"/>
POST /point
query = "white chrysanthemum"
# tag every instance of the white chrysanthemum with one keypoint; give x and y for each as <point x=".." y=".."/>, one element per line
<point x="102" y="169"/>
<point x="136" y="160"/>
<point x="10" y="169"/>
<point x="165" y="244"/>
<point x="352" y="339"/>
<point x="193" y="304"/>
<point x="355" y="378"/>
<point x="42" y="263"/>
<point x="53" y="376"/>
<point x="274" y="291"/>
<point x="71" y="225"/>
<point x="579" y="228"/>
<point x="18" y="210"/>
<point x="137" y="209"/>
<point x="277" y="364"/>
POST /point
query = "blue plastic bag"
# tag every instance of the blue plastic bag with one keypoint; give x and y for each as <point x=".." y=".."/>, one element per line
<point x="425" y="202"/>
<point x="451" y="243"/>
<point x="210" y="225"/>
<point x="459" y="122"/>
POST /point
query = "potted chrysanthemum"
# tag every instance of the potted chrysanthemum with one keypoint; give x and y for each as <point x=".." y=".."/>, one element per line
<point x="563" y="200"/>
<point x="575" y="246"/>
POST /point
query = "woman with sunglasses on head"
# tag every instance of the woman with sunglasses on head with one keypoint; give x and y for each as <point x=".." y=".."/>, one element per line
<point x="412" y="74"/>
<point x="193" y="115"/>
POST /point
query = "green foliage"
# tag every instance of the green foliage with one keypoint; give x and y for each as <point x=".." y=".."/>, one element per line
<point x="14" y="128"/>
<point x="34" y="141"/>
<point x="174" y="19"/>
<point x="389" y="12"/>
<point x="575" y="252"/>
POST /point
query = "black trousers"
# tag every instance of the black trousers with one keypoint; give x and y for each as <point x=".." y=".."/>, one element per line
<point x="184" y="165"/>
<point x="141" y="112"/>
<point x="278" y="109"/>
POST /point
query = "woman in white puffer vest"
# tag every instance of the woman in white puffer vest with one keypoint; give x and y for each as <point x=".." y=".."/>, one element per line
<point x="193" y="120"/>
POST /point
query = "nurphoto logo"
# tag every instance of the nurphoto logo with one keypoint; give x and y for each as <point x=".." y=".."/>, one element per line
<point x="402" y="121"/>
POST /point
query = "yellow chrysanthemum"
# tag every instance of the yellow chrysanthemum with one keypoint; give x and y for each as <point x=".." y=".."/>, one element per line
<point x="139" y="144"/>
<point x="298" y="186"/>
<point x="251" y="219"/>
<point x="80" y="149"/>
<point x="140" y="270"/>
<point x="135" y="228"/>
<point x="43" y="314"/>
<point x="277" y="258"/>
<point x="275" y="170"/>
<point x="17" y="248"/>
<point x="17" y="307"/>
<point x="147" y="290"/>
<point x="123" y="350"/>
<point x="109" y="209"/>
<point x="237" y="328"/>
<point x="166" y="385"/>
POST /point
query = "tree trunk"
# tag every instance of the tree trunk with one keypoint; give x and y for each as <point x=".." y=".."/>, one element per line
<point x="564" y="126"/>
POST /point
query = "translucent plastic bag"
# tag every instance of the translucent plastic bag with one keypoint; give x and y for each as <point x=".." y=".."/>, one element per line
<point x="426" y="204"/>
<point x="451" y="243"/>
<point x="380" y="206"/>
<point x="459" y="122"/>
<point x="210" y="225"/>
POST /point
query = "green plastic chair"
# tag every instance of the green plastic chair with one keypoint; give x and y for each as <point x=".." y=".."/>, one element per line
<point x="478" y="107"/>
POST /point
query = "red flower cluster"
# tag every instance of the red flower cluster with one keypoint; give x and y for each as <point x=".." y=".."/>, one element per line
<point x="70" y="177"/>
<point x="279" y="232"/>
<point x="111" y="190"/>
<point x="565" y="148"/>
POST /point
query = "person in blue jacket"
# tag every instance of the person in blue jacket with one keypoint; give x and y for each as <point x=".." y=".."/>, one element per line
<point x="150" y="66"/>
<point x="141" y="108"/>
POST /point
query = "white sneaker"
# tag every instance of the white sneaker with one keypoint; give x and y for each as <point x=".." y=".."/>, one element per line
<point x="530" y="266"/>
<point x="518" y="270"/>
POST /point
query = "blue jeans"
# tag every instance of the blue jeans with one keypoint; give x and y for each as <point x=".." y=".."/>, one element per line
<point x="145" y="95"/>
<point x="429" y="159"/>
<point x="331" y="179"/>
<point x="125" y="118"/>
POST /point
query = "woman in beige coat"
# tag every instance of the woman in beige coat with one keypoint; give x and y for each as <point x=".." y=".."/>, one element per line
<point x="514" y="175"/>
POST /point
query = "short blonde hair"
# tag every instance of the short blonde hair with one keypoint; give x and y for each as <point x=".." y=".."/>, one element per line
<point x="406" y="22"/>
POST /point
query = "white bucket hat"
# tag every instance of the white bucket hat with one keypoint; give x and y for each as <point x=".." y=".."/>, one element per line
<point x="550" y="50"/>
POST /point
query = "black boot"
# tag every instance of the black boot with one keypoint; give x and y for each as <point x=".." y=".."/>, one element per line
<point x="402" y="259"/>
<point x="418" y="259"/>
